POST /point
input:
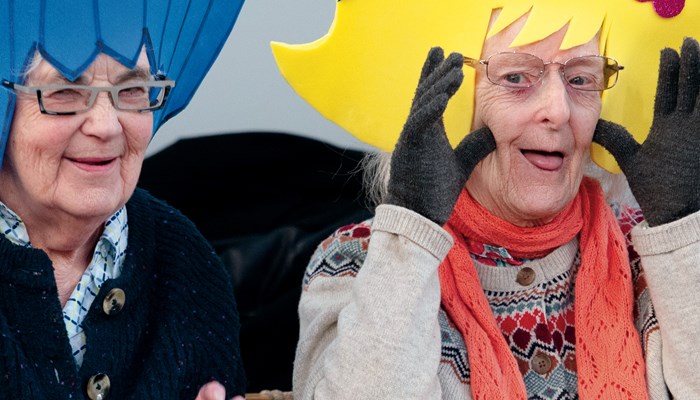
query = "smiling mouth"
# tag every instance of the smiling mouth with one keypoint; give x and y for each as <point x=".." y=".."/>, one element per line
<point x="95" y="162"/>
<point x="545" y="160"/>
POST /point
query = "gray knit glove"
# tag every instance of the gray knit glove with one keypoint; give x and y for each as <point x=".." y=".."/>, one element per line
<point x="664" y="171"/>
<point x="427" y="175"/>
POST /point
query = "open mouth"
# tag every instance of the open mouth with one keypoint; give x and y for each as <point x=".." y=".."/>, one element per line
<point x="546" y="160"/>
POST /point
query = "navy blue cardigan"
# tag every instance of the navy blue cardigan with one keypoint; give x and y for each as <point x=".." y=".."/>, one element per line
<point x="177" y="330"/>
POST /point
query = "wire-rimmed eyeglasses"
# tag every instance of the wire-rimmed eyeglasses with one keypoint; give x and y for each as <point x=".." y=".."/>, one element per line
<point x="523" y="70"/>
<point x="69" y="99"/>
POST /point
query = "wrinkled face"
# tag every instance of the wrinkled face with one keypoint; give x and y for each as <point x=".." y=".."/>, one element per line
<point x="82" y="166"/>
<point x="543" y="135"/>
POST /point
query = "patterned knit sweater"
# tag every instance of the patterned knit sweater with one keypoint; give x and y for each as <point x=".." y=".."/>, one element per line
<point x="177" y="329"/>
<point x="384" y="332"/>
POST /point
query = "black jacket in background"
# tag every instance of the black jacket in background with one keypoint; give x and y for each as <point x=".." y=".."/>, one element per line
<point x="264" y="200"/>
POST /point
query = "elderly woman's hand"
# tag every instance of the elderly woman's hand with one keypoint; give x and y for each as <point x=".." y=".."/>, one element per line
<point x="664" y="172"/>
<point x="427" y="175"/>
<point x="214" y="391"/>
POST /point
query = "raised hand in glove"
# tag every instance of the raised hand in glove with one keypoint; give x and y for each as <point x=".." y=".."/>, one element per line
<point x="664" y="171"/>
<point x="427" y="175"/>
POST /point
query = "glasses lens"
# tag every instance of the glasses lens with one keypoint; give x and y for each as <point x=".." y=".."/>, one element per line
<point x="140" y="97"/>
<point x="515" y="70"/>
<point x="591" y="72"/>
<point x="65" y="99"/>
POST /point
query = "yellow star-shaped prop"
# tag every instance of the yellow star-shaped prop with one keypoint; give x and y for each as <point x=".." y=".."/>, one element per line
<point x="362" y="74"/>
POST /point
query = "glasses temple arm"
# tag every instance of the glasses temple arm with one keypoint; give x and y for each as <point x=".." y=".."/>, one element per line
<point x="472" y="62"/>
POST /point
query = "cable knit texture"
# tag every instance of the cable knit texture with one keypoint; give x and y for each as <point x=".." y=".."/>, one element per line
<point x="609" y="356"/>
<point x="178" y="328"/>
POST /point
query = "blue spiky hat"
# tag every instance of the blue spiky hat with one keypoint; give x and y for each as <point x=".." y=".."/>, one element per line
<point x="182" y="39"/>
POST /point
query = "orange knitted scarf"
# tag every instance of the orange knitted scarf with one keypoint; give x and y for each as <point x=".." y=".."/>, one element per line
<point x="609" y="358"/>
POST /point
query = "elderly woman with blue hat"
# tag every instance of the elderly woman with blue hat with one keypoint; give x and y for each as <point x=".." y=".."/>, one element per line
<point x="105" y="291"/>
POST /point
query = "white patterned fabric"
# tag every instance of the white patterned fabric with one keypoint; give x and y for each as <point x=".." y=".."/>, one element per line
<point x="13" y="227"/>
<point x="106" y="263"/>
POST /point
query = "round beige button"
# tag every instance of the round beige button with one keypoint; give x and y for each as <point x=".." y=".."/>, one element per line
<point x="114" y="301"/>
<point x="525" y="276"/>
<point x="541" y="363"/>
<point x="98" y="387"/>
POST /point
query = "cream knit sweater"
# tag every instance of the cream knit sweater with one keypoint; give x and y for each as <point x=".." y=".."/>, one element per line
<point x="374" y="332"/>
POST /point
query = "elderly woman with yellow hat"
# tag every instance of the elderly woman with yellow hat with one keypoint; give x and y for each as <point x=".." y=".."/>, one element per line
<point x="511" y="267"/>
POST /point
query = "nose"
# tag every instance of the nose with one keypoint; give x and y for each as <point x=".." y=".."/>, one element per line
<point x="552" y="99"/>
<point x="102" y="119"/>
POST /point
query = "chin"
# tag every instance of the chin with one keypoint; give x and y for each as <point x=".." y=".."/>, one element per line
<point x="540" y="206"/>
<point x="96" y="203"/>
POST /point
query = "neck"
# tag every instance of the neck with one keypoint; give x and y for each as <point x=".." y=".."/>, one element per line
<point x="68" y="269"/>
<point x="70" y="252"/>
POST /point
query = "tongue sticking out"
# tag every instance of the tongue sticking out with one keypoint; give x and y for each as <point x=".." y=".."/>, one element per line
<point x="544" y="160"/>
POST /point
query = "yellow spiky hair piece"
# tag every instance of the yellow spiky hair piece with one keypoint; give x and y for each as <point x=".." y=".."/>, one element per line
<point x="362" y="74"/>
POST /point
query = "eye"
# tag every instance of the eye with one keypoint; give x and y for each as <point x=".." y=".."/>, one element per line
<point x="513" y="74"/>
<point x="132" y="92"/>
<point x="586" y="81"/>
<point x="514" y="70"/>
<point x="133" y="97"/>
<point x="518" y="79"/>
<point x="514" y="78"/>
<point x="63" y="95"/>
<point x="585" y="73"/>
<point x="577" y="81"/>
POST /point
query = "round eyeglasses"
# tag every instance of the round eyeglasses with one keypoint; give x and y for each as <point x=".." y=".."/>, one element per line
<point x="523" y="70"/>
<point x="71" y="99"/>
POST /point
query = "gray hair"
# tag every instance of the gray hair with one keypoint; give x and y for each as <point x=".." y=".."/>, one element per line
<point x="33" y="65"/>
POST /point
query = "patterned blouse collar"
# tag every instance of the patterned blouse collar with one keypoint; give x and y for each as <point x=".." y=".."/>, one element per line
<point x="12" y="227"/>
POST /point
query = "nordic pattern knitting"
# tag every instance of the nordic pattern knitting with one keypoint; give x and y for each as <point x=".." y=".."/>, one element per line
<point x="609" y="358"/>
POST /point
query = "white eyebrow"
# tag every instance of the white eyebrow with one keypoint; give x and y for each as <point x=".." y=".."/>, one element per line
<point x="138" y="73"/>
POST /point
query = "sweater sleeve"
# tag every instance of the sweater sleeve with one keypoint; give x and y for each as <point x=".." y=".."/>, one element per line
<point x="206" y="319"/>
<point x="670" y="256"/>
<point x="374" y="334"/>
<point x="194" y="318"/>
